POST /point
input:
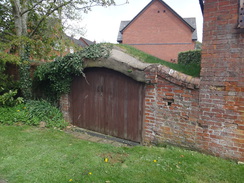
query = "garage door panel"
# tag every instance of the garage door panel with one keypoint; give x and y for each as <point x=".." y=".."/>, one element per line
<point x="108" y="102"/>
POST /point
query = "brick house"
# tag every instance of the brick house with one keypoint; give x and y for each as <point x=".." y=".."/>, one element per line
<point x="158" y="30"/>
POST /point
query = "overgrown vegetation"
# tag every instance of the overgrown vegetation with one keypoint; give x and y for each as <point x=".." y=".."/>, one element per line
<point x="9" y="99"/>
<point x="6" y="82"/>
<point x="32" y="113"/>
<point x="189" y="69"/>
<point x="54" y="78"/>
<point x="8" y="87"/>
<point x="29" y="154"/>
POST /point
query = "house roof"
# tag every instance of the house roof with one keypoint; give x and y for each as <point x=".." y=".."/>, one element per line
<point x="81" y="42"/>
<point x="86" y="41"/>
<point x="123" y="24"/>
<point x="190" y="22"/>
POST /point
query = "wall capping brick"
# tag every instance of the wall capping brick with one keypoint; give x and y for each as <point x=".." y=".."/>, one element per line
<point x="173" y="76"/>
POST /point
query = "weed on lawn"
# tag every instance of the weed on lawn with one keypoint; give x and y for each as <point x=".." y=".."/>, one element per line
<point x="31" y="154"/>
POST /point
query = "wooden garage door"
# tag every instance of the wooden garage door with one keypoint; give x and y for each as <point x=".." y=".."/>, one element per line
<point x="108" y="102"/>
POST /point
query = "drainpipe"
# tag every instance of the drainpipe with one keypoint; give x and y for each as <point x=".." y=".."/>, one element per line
<point x="202" y="6"/>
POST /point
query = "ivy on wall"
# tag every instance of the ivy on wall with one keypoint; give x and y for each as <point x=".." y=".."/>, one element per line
<point x="54" y="78"/>
<point x="6" y="82"/>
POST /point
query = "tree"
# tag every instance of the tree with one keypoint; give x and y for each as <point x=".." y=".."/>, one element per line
<point x="198" y="45"/>
<point x="27" y="28"/>
<point x="24" y="18"/>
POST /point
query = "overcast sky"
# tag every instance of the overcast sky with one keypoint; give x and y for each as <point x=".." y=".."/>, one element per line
<point x="102" y="24"/>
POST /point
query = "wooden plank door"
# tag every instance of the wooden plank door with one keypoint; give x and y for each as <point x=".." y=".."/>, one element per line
<point x="108" y="102"/>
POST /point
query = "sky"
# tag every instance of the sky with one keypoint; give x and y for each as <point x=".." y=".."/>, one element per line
<point x="102" y="23"/>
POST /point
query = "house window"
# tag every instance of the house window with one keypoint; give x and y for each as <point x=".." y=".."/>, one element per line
<point x="241" y="14"/>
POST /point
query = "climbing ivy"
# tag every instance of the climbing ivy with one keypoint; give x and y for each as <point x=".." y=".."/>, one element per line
<point x="54" y="78"/>
<point x="6" y="82"/>
<point x="24" y="73"/>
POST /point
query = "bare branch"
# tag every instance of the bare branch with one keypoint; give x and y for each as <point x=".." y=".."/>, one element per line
<point x="4" y="40"/>
<point x="6" y="7"/>
<point x="8" y="33"/>
<point x="99" y="4"/>
<point x="33" y="7"/>
<point x="49" y="12"/>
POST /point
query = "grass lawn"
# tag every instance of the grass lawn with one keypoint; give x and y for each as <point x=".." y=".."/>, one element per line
<point x="30" y="154"/>
<point x="191" y="69"/>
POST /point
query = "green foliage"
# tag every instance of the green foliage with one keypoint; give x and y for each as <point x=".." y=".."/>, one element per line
<point x="25" y="81"/>
<point x="43" y="111"/>
<point x="190" y="57"/>
<point x="12" y="115"/>
<point x="32" y="113"/>
<point x="6" y="82"/>
<point x="191" y="69"/>
<point x="96" y="51"/>
<point x="9" y="99"/>
<point x="8" y="58"/>
<point x="54" y="78"/>
<point x="198" y="45"/>
<point x="41" y="24"/>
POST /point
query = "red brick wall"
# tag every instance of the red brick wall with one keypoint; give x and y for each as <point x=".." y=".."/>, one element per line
<point x="65" y="107"/>
<point x="222" y="81"/>
<point x="154" y="26"/>
<point x="171" y="107"/>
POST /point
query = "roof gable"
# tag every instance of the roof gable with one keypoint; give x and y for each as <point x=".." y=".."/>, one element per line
<point x="86" y="41"/>
<point x="82" y="42"/>
<point x="167" y="6"/>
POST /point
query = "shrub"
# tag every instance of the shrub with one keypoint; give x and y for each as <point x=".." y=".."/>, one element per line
<point x="190" y="57"/>
<point x="15" y="114"/>
<point x="6" y="82"/>
<point x="9" y="98"/>
<point x="32" y="113"/>
<point x="43" y="111"/>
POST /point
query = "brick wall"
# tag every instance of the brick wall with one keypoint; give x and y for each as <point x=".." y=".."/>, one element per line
<point x="222" y="81"/>
<point x="171" y="107"/>
<point x="65" y="107"/>
<point x="160" y="27"/>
